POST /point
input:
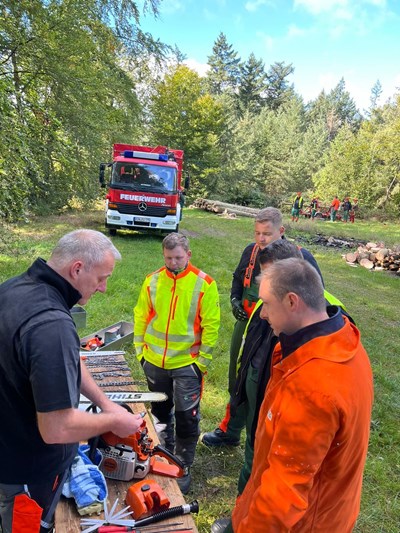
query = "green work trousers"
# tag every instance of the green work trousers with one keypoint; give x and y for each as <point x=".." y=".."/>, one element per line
<point x="236" y="423"/>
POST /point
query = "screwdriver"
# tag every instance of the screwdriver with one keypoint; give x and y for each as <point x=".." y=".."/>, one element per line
<point x="119" y="529"/>
<point x="145" y="529"/>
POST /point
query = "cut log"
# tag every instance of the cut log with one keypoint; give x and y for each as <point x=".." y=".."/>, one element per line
<point x="351" y="257"/>
<point x="222" y="207"/>
<point x="366" y="263"/>
<point x="381" y="254"/>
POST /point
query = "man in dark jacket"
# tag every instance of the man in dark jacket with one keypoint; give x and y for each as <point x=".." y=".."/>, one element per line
<point x="41" y="377"/>
<point x="244" y="296"/>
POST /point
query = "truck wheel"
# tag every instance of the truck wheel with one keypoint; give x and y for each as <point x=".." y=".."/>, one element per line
<point x="112" y="232"/>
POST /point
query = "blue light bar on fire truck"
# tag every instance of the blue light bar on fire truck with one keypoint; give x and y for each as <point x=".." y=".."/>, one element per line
<point x="131" y="154"/>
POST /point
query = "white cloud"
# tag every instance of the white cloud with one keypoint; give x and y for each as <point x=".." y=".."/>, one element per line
<point x="200" y="68"/>
<point x="266" y="40"/>
<point x="320" y="6"/>
<point x="253" y="5"/>
<point x="345" y="9"/>
<point x="171" y="6"/>
<point x="343" y="14"/>
<point x="378" y="3"/>
<point x="295" y="31"/>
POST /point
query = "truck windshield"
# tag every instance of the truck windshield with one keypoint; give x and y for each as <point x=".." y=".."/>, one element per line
<point x="143" y="177"/>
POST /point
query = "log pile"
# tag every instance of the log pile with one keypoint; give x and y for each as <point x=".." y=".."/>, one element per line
<point x="224" y="209"/>
<point x="375" y="256"/>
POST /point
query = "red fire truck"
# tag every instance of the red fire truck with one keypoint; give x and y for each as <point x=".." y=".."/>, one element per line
<point x="145" y="190"/>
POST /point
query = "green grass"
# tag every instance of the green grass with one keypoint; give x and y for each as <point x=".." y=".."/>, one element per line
<point x="216" y="242"/>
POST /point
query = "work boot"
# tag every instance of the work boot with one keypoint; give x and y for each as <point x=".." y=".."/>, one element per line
<point x="185" y="481"/>
<point x="219" y="438"/>
<point x="221" y="525"/>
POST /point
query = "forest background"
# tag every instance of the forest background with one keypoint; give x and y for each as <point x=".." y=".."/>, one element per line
<point x="77" y="76"/>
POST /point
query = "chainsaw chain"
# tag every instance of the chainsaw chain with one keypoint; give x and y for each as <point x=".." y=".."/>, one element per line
<point x="103" y="358"/>
<point x="117" y="383"/>
<point x="106" y="363"/>
<point x="98" y="376"/>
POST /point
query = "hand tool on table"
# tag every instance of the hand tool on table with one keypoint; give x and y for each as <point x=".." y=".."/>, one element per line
<point x="150" y="529"/>
<point x="119" y="519"/>
<point x="153" y="529"/>
<point x="119" y="529"/>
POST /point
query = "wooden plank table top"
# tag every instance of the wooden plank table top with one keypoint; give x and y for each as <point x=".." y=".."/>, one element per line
<point x="67" y="518"/>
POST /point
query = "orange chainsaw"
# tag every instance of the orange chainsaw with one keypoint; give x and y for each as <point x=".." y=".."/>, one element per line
<point x="133" y="457"/>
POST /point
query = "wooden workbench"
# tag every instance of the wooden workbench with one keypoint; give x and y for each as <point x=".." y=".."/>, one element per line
<point x="67" y="518"/>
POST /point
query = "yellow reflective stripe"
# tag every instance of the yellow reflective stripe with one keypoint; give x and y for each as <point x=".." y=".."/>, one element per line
<point x="153" y="286"/>
<point x="170" y="352"/>
<point x="194" y="303"/>
<point x="203" y="360"/>
<point x="139" y="338"/>
<point x="206" y="349"/>
<point x="172" y="337"/>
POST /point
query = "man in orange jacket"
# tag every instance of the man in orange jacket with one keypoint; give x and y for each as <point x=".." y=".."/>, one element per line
<point x="313" y="428"/>
<point x="334" y="208"/>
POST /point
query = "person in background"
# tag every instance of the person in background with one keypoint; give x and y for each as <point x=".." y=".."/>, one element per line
<point x="176" y="320"/>
<point x="297" y="205"/>
<point x="347" y="207"/>
<point x="313" y="428"/>
<point x="334" y="208"/>
<point x="42" y="376"/>
<point x="314" y="207"/>
<point x="244" y="296"/>
<point x="353" y="210"/>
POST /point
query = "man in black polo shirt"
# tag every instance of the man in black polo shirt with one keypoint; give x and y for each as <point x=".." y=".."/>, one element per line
<point x="41" y="377"/>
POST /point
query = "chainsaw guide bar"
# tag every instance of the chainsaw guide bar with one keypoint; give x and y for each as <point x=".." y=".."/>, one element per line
<point x="129" y="397"/>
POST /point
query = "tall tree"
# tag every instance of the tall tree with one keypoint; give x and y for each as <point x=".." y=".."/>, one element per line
<point x="186" y="116"/>
<point x="337" y="108"/>
<point x="224" y="73"/>
<point x="252" y="85"/>
<point x="279" y="90"/>
<point x="67" y="92"/>
<point x="376" y="93"/>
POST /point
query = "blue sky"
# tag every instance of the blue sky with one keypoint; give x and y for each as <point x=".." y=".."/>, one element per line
<point x="325" y="40"/>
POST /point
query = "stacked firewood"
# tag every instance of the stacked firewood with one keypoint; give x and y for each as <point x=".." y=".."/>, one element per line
<point x="375" y="256"/>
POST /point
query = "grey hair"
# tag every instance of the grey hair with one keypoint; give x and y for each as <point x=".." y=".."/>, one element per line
<point x="173" y="240"/>
<point x="86" y="245"/>
<point x="277" y="250"/>
<point x="270" y="214"/>
<point x="298" y="276"/>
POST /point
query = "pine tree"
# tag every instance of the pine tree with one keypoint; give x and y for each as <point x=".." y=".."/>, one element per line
<point x="252" y="87"/>
<point x="224" y="65"/>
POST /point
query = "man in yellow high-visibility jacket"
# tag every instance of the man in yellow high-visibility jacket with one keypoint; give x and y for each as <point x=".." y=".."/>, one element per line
<point x="176" y="322"/>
